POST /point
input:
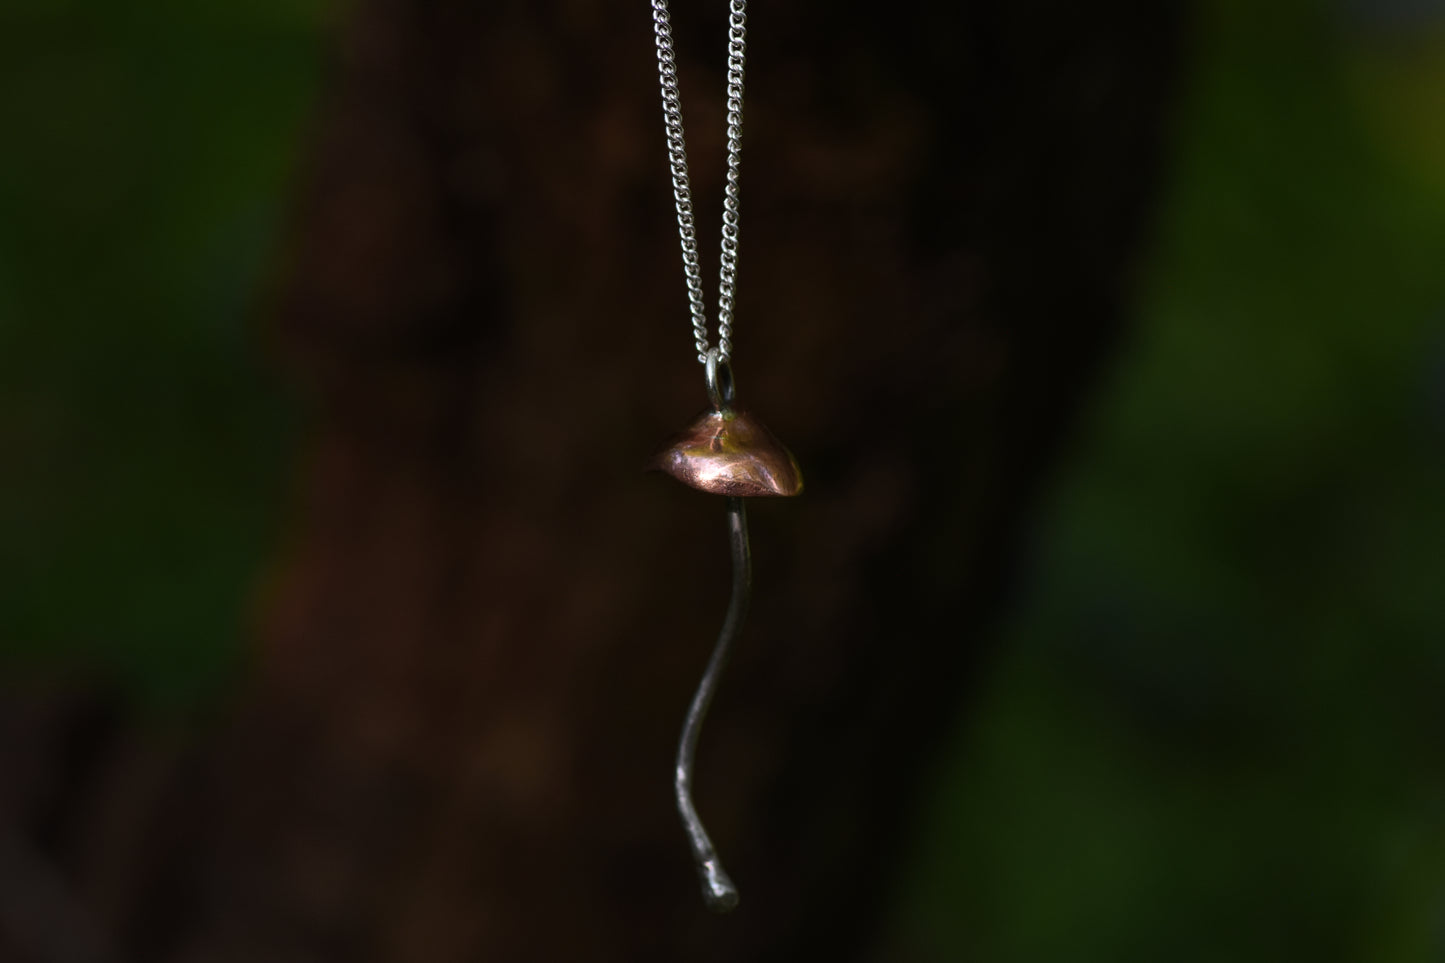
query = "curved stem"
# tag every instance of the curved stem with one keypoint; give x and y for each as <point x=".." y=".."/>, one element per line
<point x="717" y="889"/>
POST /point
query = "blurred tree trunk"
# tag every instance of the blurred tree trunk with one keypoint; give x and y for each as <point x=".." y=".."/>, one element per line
<point x="486" y="622"/>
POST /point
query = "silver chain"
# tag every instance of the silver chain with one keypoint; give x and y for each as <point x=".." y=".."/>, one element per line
<point x="682" y="190"/>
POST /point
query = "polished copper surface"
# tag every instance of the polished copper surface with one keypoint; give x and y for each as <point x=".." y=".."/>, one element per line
<point x="728" y="452"/>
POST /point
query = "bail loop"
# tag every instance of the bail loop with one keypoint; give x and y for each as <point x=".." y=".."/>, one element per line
<point x="720" y="389"/>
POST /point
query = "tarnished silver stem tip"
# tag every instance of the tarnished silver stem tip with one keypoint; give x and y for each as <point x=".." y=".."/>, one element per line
<point x="718" y="891"/>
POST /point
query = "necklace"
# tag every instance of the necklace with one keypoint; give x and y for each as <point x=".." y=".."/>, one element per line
<point x="724" y="451"/>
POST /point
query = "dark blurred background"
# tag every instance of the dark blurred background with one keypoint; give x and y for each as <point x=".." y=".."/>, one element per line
<point x="304" y="459"/>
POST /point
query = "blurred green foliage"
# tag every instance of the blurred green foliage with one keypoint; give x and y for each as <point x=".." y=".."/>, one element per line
<point x="145" y="158"/>
<point x="1217" y="732"/>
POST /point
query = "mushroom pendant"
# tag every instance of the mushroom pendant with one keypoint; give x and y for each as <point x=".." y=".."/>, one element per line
<point x="726" y="452"/>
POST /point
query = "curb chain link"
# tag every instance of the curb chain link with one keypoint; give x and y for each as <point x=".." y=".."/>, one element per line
<point x="681" y="187"/>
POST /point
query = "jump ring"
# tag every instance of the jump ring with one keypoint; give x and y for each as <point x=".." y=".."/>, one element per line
<point x="720" y="389"/>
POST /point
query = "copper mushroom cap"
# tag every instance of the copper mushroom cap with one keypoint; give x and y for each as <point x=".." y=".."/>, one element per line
<point x="728" y="452"/>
